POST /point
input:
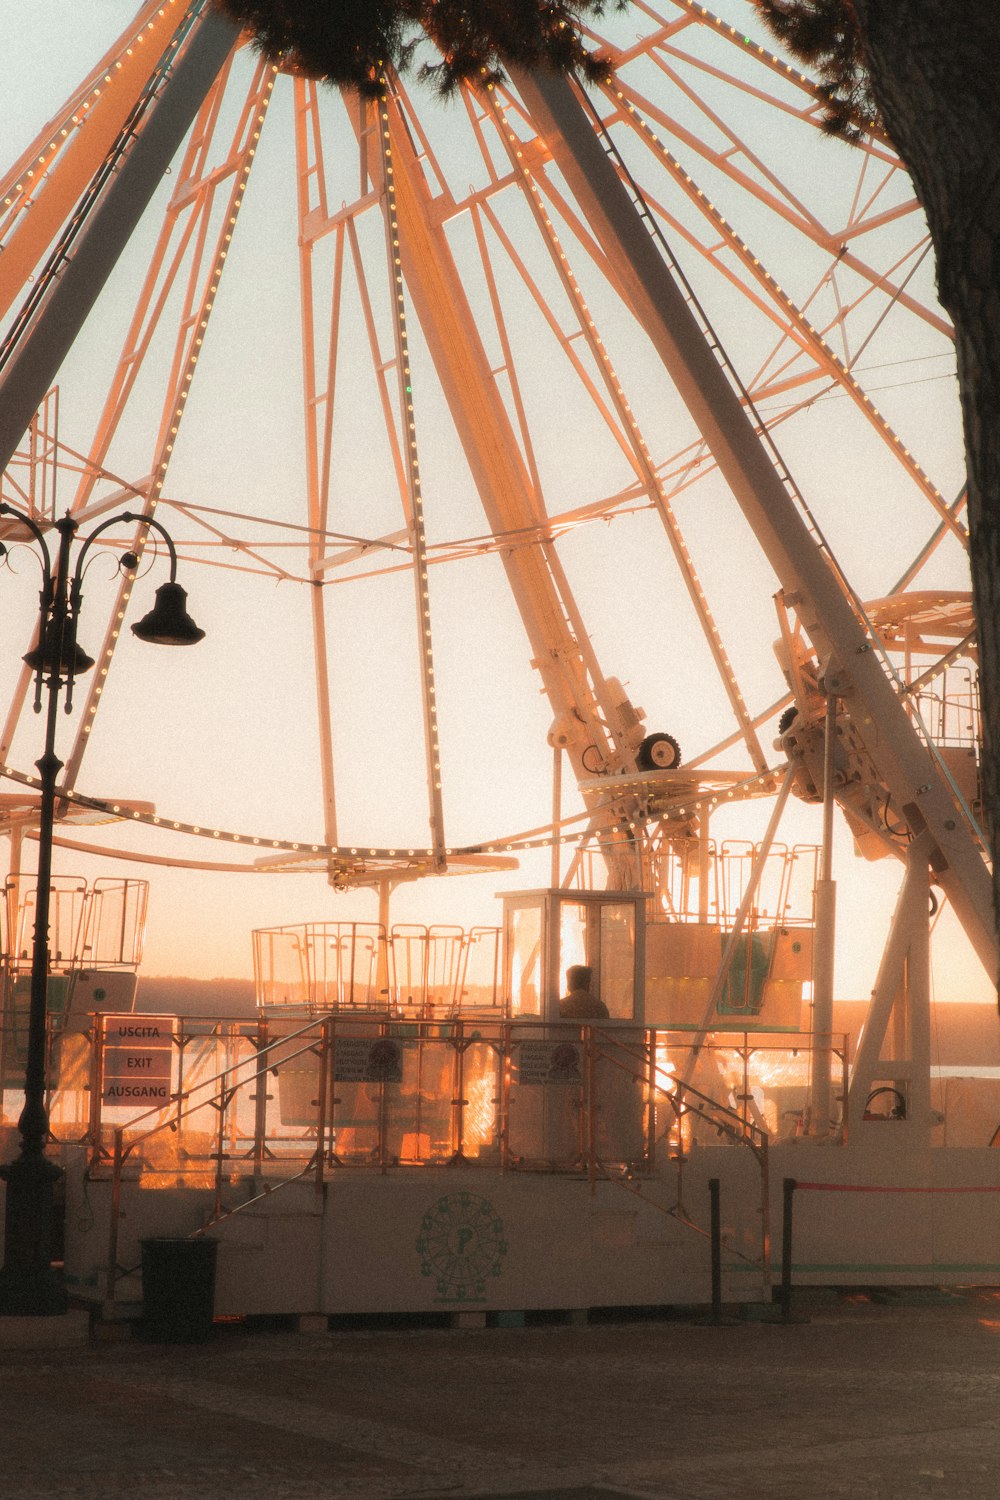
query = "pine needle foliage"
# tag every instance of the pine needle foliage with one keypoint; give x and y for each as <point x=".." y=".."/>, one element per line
<point x="352" y="42"/>
<point x="826" y="35"/>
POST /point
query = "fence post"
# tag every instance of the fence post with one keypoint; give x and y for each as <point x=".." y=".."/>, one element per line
<point x="592" y="1106"/>
<point x="95" y="1120"/>
<point x="322" y="1095"/>
<point x="261" y="1043"/>
<point x="459" y="1101"/>
<point x="651" y="1085"/>
<point x="716" y="1236"/>
<point x="716" y="1318"/>
<point x="116" y="1192"/>
<point x="788" y="1186"/>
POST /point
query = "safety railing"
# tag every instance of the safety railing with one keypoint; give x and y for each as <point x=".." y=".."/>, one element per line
<point x="454" y="1084"/>
<point x="248" y="1106"/>
<point x="678" y="1114"/>
<point x="407" y="970"/>
<point x="302" y="1102"/>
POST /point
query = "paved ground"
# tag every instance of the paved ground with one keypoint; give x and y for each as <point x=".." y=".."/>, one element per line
<point x="869" y="1398"/>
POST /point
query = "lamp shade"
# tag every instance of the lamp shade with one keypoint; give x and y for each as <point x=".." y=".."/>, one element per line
<point x="168" y="622"/>
<point x="72" y="659"/>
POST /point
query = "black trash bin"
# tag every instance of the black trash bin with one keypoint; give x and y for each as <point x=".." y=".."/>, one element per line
<point x="178" y="1290"/>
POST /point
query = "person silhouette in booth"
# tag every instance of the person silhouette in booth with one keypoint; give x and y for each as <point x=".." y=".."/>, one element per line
<point x="580" y="1004"/>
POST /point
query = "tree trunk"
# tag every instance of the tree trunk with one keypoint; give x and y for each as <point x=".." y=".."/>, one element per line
<point x="935" y="73"/>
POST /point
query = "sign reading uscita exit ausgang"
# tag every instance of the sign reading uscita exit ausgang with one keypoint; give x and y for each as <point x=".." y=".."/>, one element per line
<point x="137" y="1056"/>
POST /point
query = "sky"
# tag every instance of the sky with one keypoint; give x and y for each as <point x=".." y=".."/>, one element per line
<point x="225" y="736"/>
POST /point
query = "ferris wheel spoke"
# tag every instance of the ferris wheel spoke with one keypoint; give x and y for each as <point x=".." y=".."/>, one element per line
<point x="413" y="497"/>
<point x="450" y="330"/>
<point x="51" y="176"/>
<point x="636" y="448"/>
<point x="179" y="256"/>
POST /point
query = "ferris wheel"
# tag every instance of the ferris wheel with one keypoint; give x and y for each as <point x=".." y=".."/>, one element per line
<point x="451" y="401"/>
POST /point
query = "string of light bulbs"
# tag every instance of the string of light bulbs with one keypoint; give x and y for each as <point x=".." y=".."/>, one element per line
<point x="763" y="783"/>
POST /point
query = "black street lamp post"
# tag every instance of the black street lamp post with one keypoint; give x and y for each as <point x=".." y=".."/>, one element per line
<point x="28" y="1285"/>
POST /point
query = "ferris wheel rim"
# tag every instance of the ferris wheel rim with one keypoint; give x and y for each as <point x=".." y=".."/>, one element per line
<point x="702" y="16"/>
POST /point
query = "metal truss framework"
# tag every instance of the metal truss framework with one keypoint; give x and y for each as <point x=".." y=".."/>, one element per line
<point x="870" y="264"/>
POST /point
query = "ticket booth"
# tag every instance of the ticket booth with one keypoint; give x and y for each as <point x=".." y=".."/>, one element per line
<point x="546" y="932"/>
<point x="577" y="1089"/>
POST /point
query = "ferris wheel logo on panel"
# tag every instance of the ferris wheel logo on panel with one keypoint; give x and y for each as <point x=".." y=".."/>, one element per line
<point x="462" y="1245"/>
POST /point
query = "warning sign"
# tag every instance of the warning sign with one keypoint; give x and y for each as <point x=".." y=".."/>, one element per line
<point x="138" y="1053"/>
<point x="362" y="1059"/>
<point x="548" y="1062"/>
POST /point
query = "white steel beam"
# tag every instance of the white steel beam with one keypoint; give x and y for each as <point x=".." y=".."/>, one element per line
<point x="627" y="431"/>
<point x="852" y="666"/>
<point x="902" y="996"/>
<point x="506" y="493"/>
<point x="54" y="172"/>
<point x="311" y="198"/>
<point x="72" y="294"/>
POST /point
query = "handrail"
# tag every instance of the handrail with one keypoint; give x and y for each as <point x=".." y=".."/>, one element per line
<point x="732" y="1123"/>
<point x="182" y="1094"/>
<point x="677" y="1093"/>
<point x="304" y="1146"/>
<point x="221" y="1100"/>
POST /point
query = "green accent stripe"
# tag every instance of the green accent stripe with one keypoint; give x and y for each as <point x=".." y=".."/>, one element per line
<point x="934" y="1267"/>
